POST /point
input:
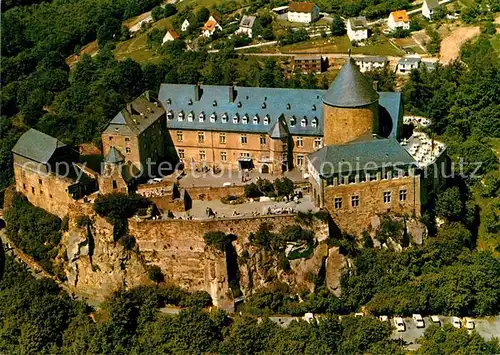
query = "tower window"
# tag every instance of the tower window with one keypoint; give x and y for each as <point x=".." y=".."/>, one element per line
<point x="387" y="197"/>
<point x="115" y="185"/>
<point x="300" y="141"/>
<point x="338" y="203"/>
<point x="402" y="195"/>
<point x="355" y="201"/>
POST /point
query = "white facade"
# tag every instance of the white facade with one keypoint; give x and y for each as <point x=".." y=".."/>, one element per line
<point x="357" y="29"/>
<point x="303" y="17"/>
<point x="370" y="63"/>
<point x="246" y="26"/>
<point x="428" y="8"/>
<point x="185" y="25"/>
<point x="396" y="21"/>
<point x="407" y="64"/>
<point x="210" y="27"/>
<point x="170" y="36"/>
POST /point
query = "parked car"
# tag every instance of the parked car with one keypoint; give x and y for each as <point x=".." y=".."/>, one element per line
<point x="436" y="320"/>
<point x="383" y="318"/>
<point x="419" y="320"/>
<point x="455" y="321"/>
<point x="469" y="323"/>
<point x="358" y="315"/>
<point x="400" y="324"/>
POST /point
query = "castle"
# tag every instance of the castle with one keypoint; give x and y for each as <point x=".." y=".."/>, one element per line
<point x="347" y="141"/>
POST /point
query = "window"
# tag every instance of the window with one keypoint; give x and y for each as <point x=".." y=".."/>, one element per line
<point x="115" y="185"/>
<point x="244" y="139"/>
<point x="255" y="119"/>
<point x="351" y="179"/>
<point x="41" y="192"/>
<point x="32" y="190"/>
<point x="127" y="150"/>
<point x="244" y="120"/>
<point x="24" y="187"/>
<point x="245" y="155"/>
<point x="314" y="122"/>
<point x="170" y="115"/>
<point x="224" y="118"/>
<point x="373" y="176"/>
<point x="223" y="156"/>
<point x="222" y="138"/>
<point x="300" y="141"/>
<point x="127" y="139"/>
<point x="355" y="201"/>
<point x="402" y="195"/>
<point x="201" y="137"/>
<point x="180" y="116"/>
<point x="317" y="143"/>
<point x="201" y="117"/>
<point x="190" y="116"/>
<point x="387" y="197"/>
<point x="181" y="153"/>
<point x="338" y="203"/>
<point x="262" y="140"/>
<point x="236" y="118"/>
<point x="179" y="136"/>
<point x="213" y="117"/>
<point x="110" y="138"/>
<point x="203" y="155"/>
<point x="303" y="122"/>
<point x="267" y="119"/>
<point x="300" y="160"/>
<point x="40" y="181"/>
<point x="292" y="122"/>
<point x="314" y="107"/>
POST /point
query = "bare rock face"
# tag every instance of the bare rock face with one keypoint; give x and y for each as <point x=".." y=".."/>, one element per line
<point x="335" y="264"/>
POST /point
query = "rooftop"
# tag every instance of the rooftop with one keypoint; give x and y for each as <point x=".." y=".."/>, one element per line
<point x="358" y="23"/>
<point x="400" y="16"/>
<point x="377" y="59"/>
<point x="174" y="34"/>
<point x="409" y="60"/>
<point x="114" y="156"/>
<point x="350" y="88"/>
<point x="306" y="7"/>
<point x="247" y="21"/>
<point x="432" y="4"/>
<point x="37" y="146"/>
<point x="137" y="116"/>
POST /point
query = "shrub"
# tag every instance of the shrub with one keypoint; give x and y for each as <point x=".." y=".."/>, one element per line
<point x="155" y="274"/>
<point x="283" y="186"/>
<point x="116" y="206"/>
<point x="252" y="191"/>
<point x="218" y="240"/>
<point x="83" y="221"/>
<point x="232" y="200"/>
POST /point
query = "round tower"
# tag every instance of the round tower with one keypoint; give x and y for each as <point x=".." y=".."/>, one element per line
<point x="350" y="107"/>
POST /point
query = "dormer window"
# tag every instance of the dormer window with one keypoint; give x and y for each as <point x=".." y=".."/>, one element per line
<point x="190" y="116"/>
<point x="303" y="122"/>
<point x="169" y="101"/>
<point x="244" y="120"/>
<point x="180" y="116"/>
<point x="314" y="122"/>
<point x="239" y="104"/>
<point x="170" y="115"/>
<point x="267" y="120"/>
<point x="314" y="107"/>
<point x="214" y="103"/>
<point x="213" y="117"/>
<point x="292" y="122"/>
<point x="224" y="118"/>
<point x="264" y="105"/>
<point x="201" y="117"/>
<point x="236" y="118"/>
<point x="190" y="102"/>
<point x="256" y="119"/>
<point x="288" y="106"/>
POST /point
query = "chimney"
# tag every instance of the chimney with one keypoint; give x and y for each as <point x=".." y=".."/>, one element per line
<point x="375" y="85"/>
<point x="198" y="91"/>
<point x="232" y="94"/>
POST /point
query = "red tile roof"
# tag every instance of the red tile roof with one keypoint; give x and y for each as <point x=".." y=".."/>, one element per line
<point x="400" y="16"/>
<point x="174" y="34"/>
<point x="301" y="7"/>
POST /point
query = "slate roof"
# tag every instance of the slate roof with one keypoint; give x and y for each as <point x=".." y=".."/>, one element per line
<point x="432" y="4"/>
<point x="37" y="146"/>
<point x="247" y="21"/>
<point x="371" y="59"/>
<point x="306" y="7"/>
<point x="409" y="60"/>
<point x="350" y="88"/>
<point x="358" y="23"/>
<point x="291" y="104"/>
<point x="114" y="156"/>
<point x="369" y="154"/>
<point x="137" y="116"/>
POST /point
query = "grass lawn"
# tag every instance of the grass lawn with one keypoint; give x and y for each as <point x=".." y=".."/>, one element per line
<point x="136" y="47"/>
<point x="468" y="3"/>
<point x="341" y="45"/>
<point x="495" y="42"/>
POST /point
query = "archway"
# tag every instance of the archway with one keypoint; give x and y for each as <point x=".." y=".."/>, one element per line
<point x="264" y="169"/>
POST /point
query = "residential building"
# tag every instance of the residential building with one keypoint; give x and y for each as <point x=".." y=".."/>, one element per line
<point x="309" y="63"/>
<point x="211" y="26"/>
<point x="246" y="25"/>
<point x="171" y="35"/>
<point x="357" y="28"/>
<point x="398" y="20"/>
<point x="429" y="64"/>
<point x="407" y="64"/>
<point x="303" y="12"/>
<point x="369" y="63"/>
<point x="428" y="8"/>
<point x="185" y="25"/>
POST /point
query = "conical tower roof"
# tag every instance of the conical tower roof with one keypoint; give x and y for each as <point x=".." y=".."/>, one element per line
<point x="279" y="130"/>
<point x="114" y="156"/>
<point x="350" y="88"/>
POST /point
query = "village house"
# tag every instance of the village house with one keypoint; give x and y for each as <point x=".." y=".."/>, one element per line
<point x="303" y="12"/>
<point x="407" y="64"/>
<point x="369" y="63"/>
<point x="171" y="35"/>
<point x="246" y="25"/>
<point x="309" y="64"/>
<point x="428" y="8"/>
<point x="185" y="25"/>
<point x="357" y="28"/>
<point x="398" y="20"/>
<point x="212" y="25"/>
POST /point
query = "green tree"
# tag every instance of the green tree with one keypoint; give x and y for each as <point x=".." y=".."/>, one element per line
<point x="338" y="26"/>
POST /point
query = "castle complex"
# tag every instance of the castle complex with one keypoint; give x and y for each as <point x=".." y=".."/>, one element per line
<point x="347" y="141"/>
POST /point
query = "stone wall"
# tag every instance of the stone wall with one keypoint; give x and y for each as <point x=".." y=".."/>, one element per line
<point x="209" y="193"/>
